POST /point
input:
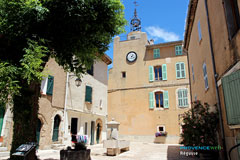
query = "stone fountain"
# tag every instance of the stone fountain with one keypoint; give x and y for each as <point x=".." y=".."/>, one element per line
<point x="113" y="144"/>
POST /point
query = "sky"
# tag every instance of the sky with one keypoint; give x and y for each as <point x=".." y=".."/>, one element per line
<point x="162" y="20"/>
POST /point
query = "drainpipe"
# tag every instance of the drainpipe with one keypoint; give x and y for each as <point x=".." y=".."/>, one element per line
<point x="65" y="110"/>
<point x="215" y="81"/>
<point x="190" y="88"/>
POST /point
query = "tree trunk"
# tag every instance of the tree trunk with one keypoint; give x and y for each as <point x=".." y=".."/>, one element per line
<point x="25" y="114"/>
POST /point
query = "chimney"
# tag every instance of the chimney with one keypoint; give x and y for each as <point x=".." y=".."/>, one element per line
<point x="151" y="41"/>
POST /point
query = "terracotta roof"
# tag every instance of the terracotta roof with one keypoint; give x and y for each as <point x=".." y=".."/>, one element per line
<point x="164" y="44"/>
<point x="192" y="7"/>
<point x="105" y="58"/>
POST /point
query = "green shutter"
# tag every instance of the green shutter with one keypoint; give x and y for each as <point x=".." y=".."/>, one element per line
<point x="151" y="100"/>
<point x="88" y="95"/>
<point x="178" y="50"/>
<point x="2" y="112"/>
<point x="178" y="72"/>
<point x="185" y="98"/>
<point x="231" y="90"/>
<point x="156" y="53"/>
<point x="180" y="103"/>
<point x="183" y="73"/>
<point x="50" y="85"/>
<point x="165" y="98"/>
<point x="164" y="72"/>
<point x="151" y="74"/>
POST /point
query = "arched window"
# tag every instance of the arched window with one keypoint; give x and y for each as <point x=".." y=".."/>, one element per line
<point x="56" y="128"/>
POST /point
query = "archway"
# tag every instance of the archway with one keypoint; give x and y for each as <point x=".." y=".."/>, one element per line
<point x="98" y="130"/>
<point x="56" y="128"/>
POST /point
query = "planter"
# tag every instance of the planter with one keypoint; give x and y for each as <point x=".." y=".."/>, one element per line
<point x="160" y="139"/>
<point x="75" y="155"/>
<point x="208" y="155"/>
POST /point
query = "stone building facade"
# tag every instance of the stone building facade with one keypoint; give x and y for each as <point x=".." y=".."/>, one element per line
<point x="57" y="107"/>
<point x="148" y="88"/>
<point x="212" y="40"/>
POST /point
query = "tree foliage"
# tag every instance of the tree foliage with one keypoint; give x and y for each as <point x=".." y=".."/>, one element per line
<point x="74" y="32"/>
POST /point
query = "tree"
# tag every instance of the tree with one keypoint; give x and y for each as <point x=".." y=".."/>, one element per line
<point x="74" y="32"/>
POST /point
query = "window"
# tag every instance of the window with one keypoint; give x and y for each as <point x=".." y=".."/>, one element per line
<point x="205" y="76"/>
<point x="231" y="92"/>
<point x="85" y="128"/>
<point x="158" y="73"/>
<point x="90" y="71"/>
<point x="160" y="128"/>
<point x="156" y="53"/>
<point x="195" y="97"/>
<point x="232" y="16"/>
<point x="88" y="95"/>
<point x="180" y="70"/>
<point x="158" y="99"/>
<point x="178" y="50"/>
<point x="123" y="74"/>
<point x="199" y="31"/>
<point x="193" y="77"/>
<point x="132" y="37"/>
<point x="182" y="98"/>
<point x="47" y="85"/>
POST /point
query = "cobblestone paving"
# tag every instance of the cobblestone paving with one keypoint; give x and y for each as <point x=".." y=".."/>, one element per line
<point x="138" y="151"/>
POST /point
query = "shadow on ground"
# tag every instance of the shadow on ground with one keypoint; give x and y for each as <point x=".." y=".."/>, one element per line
<point x="173" y="153"/>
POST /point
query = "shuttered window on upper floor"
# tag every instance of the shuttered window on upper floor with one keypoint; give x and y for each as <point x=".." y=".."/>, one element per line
<point x="180" y="70"/>
<point x="88" y="94"/>
<point x="232" y="16"/>
<point x="199" y="31"/>
<point x="231" y="91"/>
<point x="178" y="50"/>
<point x="50" y="83"/>
<point x="156" y="53"/>
<point x="157" y="73"/>
<point x="182" y="97"/>
<point x="205" y="76"/>
<point x="158" y="99"/>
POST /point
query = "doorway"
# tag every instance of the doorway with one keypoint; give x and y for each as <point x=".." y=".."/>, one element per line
<point x="39" y="126"/>
<point x="98" y="132"/>
<point x="92" y="132"/>
<point x="56" y="128"/>
<point x="74" y="123"/>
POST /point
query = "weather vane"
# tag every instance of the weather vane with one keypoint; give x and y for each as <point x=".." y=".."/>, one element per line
<point x="135" y="22"/>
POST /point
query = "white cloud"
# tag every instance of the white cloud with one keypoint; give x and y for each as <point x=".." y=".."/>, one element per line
<point x="157" y="32"/>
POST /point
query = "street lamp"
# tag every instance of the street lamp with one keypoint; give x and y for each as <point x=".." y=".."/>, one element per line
<point x="78" y="82"/>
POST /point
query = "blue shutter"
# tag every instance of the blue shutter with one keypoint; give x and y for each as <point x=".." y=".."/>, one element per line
<point x="151" y="100"/>
<point x="88" y="95"/>
<point x="199" y="31"/>
<point x="178" y="50"/>
<point x="151" y="74"/>
<point x="178" y="72"/>
<point x="165" y="97"/>
<point x="164" y="72"/>
<point x="50" y="85"/>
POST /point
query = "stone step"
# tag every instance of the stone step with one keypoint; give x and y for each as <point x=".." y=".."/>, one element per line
<point x="3" y="149"/>
<point x="58" y="146"/>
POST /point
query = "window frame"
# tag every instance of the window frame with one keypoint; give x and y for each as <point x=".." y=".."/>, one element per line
<point x="199" y="31"/>
<point x="180" y="70"/>
<point x="156" y="53"/>
<point x="164" y="128"/>
<point x="205" y="76"/>
<point x="183" y="98"/>
<point x="178" y="50"/>
<point x="158" y="74"/>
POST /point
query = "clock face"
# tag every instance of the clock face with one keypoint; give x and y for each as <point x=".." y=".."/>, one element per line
<point x="131" y="56"/>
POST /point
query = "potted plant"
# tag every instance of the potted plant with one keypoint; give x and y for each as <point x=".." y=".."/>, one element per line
<point x="200" y="128"/>
<point x="80" y="152"/>
<point x="160" y="137"/>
